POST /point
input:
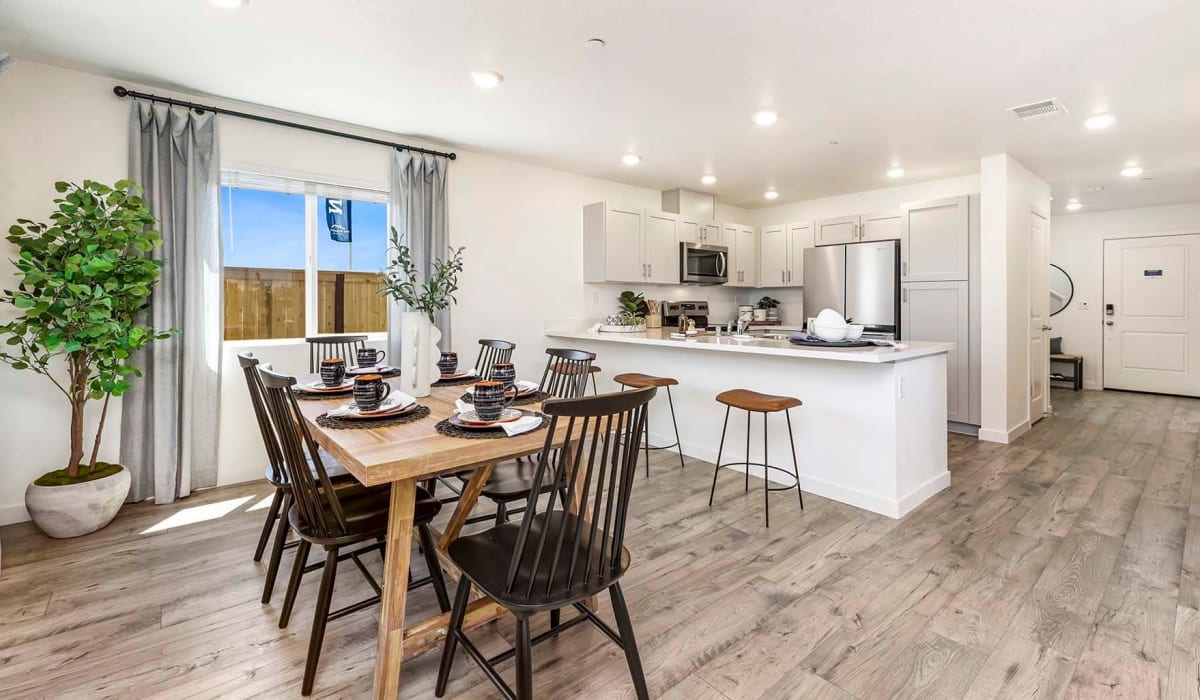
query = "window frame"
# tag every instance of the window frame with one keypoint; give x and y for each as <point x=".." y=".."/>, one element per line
<point x="312" y="191"/>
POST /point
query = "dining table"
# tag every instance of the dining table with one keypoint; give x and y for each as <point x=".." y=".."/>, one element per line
<point x="403" y="455"/>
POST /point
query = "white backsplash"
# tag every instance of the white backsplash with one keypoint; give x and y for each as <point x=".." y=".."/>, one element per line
<point x="601" y="299"/>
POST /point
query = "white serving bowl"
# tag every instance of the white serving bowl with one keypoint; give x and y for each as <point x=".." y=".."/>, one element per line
<point x="830" y="333"/>
<point x="854" y="331"/>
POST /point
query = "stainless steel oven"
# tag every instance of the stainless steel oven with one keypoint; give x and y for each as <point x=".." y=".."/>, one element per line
<point x="703" y="264"/>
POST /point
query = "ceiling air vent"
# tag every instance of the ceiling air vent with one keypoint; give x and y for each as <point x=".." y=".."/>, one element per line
<point x="1039" y="110"/>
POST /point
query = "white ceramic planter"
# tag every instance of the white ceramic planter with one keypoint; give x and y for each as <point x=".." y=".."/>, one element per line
<point x="77" y="509"/>
<point x="419" y="354"/>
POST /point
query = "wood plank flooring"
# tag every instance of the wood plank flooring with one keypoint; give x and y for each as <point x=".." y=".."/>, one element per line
<point x="1065" y="565"/>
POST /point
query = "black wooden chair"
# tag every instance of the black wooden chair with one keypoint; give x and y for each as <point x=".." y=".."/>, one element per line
<point x="325" y="347"/>
<point x="565" y="377"/>
<point x="275" y="475"/>
<point x="334" y="518"/>
<point x="491" y="352"/>
<point x="554" y="558"/>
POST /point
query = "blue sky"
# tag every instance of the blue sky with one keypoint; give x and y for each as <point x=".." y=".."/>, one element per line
<point x="266" y="229"/>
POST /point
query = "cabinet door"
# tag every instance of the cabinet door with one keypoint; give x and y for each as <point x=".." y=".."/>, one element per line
<point x="774" y="268"/>
<point x="662" y="252"/>
<point x="935" y="240"/>
<point x="711" y="234"/>
<point x="623" y="251"/>
<point x="747" y="256"/>
<point x="689" y="232"/>
<point x="880" y="227"/>
<point x="800" y="238"/>
<point x="843" y="229"/>
<point x="939" y="311"/>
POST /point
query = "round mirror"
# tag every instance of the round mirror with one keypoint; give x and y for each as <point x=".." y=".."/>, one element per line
<point x="1061" y="289"/>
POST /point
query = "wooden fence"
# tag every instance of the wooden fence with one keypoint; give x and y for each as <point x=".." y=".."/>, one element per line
<point x="269" y="303"/>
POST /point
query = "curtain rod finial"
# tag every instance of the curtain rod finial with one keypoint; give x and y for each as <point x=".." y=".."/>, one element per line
<point x="120" y="91"/>
<point x="453" y="156"/>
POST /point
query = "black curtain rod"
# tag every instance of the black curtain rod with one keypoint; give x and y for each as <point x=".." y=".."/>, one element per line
<point x="122" y="91"/>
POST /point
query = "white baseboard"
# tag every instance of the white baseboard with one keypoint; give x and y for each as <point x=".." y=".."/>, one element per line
<point x="1004" y="436"/>
<point x="15" y="513"/>
<point x="919" y="495"/>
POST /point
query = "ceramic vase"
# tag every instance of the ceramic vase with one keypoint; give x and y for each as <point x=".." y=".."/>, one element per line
<point x="76" y="509"/>
<point x="419" y="353"/>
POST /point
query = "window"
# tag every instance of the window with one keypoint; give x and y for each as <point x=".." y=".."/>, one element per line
<point x="301" y="258"/>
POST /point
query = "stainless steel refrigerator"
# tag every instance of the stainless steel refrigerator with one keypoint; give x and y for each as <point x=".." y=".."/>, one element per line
<point x="861" y="281"/>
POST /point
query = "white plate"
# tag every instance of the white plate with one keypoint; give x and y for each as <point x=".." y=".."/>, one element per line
<point x="319" y="387"/>
<point x="378" y="369"/>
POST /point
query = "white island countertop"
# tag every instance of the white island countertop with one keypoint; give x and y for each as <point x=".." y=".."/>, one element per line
<point x="758" y="346"/>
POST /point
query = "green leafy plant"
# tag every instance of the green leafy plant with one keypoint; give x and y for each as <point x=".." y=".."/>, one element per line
<point x="402" y="281"/>
<point x="768" y="303"/>
<point x="82" y="280"/>
<point x="633" y="304"/>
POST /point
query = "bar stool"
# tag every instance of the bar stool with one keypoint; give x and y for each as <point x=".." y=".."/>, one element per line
<point x="754" y="402"/>
<point x="636" y="380"/>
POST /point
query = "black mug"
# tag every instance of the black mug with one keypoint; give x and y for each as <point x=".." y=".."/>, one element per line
<point x="369" y="357"/>
<point x="505" y="373"/>
<point x="490" y="400"/>
<point x="369" y="391"/>
<point x="333" y="371"/>
<point x="448" y="362"/>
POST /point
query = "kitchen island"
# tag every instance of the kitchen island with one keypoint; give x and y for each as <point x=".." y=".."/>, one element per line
<point x="871" y="432"/>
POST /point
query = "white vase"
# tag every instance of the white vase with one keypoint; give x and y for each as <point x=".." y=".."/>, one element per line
<point x="419" y="353"/>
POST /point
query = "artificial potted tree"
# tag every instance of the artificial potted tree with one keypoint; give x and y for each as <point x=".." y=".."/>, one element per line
<point x="82" y="281"/>
<point x="419" y="337"/>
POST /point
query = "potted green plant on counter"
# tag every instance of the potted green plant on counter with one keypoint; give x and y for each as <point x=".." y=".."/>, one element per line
<point x="631" y="318"/>
<point x="82" y="281"/>
<point x="768" y="310"/>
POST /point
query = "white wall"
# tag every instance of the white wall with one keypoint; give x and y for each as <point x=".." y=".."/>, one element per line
<point x="1077" y="246"/>
<point x="1009" y="193"/>
<point x="521" y="225"/>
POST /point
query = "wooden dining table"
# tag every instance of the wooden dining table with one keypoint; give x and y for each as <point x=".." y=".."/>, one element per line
<point x="403" y="455"/>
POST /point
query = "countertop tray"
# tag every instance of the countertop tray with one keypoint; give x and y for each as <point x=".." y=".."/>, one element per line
<point x="832" y="344"/>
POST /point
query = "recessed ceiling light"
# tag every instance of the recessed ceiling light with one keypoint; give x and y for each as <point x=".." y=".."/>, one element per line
<point x="895" y="172"/>
<point x="765" y="117"/>
<point x="487" y="79"/>
<point x="631" y="159"/>
<point x="709" y="179"/>
<point x="230" y="4"/>
<point x="1100" y="121"/>
<point x="1074" y="206"/>
<point x="1131" y="170"/>
<point x="771" y="194"/>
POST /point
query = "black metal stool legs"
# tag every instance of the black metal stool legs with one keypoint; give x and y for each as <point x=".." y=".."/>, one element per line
<point x="767" y="467"/>
<point x="675" y="425"/>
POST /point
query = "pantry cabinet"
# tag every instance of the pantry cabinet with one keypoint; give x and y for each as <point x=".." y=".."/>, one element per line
<point x="935" y="241"/>
<point x="940" y="312"/>
<point x="624" y="244"/>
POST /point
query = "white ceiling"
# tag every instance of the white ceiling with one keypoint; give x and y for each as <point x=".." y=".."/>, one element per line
<point x="921" y="83"/>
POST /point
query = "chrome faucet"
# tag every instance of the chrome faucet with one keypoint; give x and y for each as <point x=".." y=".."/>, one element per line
<point x="742" y="325"/>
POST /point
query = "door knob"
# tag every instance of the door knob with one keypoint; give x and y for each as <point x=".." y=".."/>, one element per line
<point x="1108" y="323"/>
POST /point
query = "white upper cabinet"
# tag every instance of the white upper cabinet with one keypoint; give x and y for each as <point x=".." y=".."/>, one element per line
<point x="843" y="229"/>
<point x="781" y="254"/>
<point x="623" y="244"/>
<point x="879" y="227"/>
<point x="776" y="261"/>
<point x="711" y="234"/>
<point x="705" y="233"/>
<point x="800" y="238"/>
<point x="743" y="254"/>
<point x="935" y="239"/>
<point x="661" y="248"/>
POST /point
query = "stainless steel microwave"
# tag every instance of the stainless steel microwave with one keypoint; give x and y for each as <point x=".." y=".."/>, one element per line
<point x="703" y="264"/>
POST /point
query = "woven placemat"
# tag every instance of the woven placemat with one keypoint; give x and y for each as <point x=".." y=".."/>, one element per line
<point x="445" y="427"/>
<point x="457" y="382"/>
<point x="326" y="421"/>
<point x="525" y="400"/>
<point x="306" y="396"/>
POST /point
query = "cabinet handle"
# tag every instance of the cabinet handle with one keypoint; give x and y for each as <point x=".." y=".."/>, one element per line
<point x="650" y="270"/>
<point x="904" y="296"/>
<point x="782" y="276"/>
<point x="904" y="265"/>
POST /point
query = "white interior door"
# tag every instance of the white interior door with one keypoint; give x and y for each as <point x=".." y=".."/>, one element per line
<point x="1151" y="328"/>
<point x="1039" y="314"/>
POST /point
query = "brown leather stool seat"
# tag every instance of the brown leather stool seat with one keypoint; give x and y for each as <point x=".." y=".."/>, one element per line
<point x="753" y="401"/>
<point x="638" y="380"/>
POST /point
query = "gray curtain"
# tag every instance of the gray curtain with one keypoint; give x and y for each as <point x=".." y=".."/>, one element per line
<point x="418" y="211"/>
<point x="169" y="416"/>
